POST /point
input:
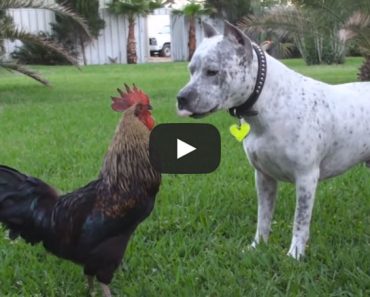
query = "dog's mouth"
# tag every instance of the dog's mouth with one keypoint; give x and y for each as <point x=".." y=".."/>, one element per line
<point x="196" y="115"/>
<point x="203" y="114"/>
<point x="199" y="115"/>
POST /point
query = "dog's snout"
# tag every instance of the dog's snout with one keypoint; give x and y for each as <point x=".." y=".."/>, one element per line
<point x="181" y="101"/>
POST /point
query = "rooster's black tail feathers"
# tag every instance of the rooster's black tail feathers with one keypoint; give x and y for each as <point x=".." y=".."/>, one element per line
<point x="25" y="204"/>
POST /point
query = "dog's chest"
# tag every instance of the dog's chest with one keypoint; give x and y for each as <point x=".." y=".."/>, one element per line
<point x="270" y="157"/>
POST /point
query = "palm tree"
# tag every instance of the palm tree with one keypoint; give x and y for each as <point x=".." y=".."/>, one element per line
<point x="66" y="32"/>
<point x="357" y="29"/>
<point x="351" y="19"/>
<point x="192" y="11"/>
<point x="9" y="31"/>
<point x="132" y="9"/>
<point x="232" y="10"/>
<point x="313" y="29"/>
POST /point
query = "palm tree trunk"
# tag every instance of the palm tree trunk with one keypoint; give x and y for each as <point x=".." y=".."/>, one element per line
<point x="192" y="43"/>
<point x="131" y="41"/>
<point x="364" y="74"/>
<point x="83" y="51"/>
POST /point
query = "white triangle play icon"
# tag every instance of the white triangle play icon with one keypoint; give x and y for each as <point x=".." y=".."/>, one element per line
<point x="184" y="148"/>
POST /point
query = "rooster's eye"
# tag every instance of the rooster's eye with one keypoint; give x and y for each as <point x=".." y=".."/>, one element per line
<point x="138" y="109"/>
<point x="212" y="72"/>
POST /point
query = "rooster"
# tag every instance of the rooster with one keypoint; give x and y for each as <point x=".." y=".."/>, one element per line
<point x="92" y="225"/>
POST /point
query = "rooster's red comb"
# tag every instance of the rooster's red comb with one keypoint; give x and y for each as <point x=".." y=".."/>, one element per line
<point x="129" y="98"/>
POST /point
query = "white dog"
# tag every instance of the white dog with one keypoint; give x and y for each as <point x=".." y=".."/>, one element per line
<point x="302" y="130"/>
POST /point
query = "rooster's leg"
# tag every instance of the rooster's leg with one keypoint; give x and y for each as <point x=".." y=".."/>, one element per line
<point x="90" y="284"/>
<point x="106" y="290"/>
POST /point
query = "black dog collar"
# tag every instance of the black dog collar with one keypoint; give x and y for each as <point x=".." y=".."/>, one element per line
<point x="245" y="108"/>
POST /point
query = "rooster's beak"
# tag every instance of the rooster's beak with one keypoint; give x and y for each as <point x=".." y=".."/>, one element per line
<point x="150" y="107"/>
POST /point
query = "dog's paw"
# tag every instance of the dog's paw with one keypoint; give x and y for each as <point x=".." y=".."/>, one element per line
<point x="296" y="252"/>
<point x="253" y="245"/>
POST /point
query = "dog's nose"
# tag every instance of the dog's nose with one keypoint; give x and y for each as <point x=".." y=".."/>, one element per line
<point x="181" y="102"/>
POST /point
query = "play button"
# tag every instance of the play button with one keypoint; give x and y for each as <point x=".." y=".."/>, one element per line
<point x="185" y="148"/>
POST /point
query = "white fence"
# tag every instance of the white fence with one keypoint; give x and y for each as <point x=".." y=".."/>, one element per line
<point x="30" y="20"/>
<point x="111" y="43"/>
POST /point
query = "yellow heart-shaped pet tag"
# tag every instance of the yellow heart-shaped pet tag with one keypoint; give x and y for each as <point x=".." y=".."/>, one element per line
<point x="240" y="131"/>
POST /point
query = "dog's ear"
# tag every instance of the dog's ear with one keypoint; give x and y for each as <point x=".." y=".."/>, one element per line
<point x="238" y="36"/>
<point x="209" y="31"/>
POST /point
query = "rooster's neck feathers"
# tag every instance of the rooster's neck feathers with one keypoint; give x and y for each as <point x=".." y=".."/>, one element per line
<point x="127" y="164"/>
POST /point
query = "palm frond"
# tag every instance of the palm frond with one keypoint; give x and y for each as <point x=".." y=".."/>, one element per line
<point x="134" y="7"/>
<point x="24" y="70"/>
<point x="156" y="4"/>
<point x="283" y="20"/>
<point x="286" y="48"/>
<point x="42" y="4"/>
<point x="357" y="29"/>
<point x="13" y="33"/>
<point x="193" y="8"/>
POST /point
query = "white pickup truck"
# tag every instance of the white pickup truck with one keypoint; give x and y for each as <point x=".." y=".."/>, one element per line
<point x="160" y="43"/>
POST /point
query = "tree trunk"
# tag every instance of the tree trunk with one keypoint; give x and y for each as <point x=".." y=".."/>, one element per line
<point x="83" y="51"/>
<point x="364" y="74"/>
<point x="131" y="42"/>
<point x="192" y="43"/>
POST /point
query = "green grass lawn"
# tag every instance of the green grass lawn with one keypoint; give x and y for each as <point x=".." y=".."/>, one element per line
<point x="195" y="243"/>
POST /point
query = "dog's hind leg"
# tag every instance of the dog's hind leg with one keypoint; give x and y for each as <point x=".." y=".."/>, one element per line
<point x="266" y="192"/>
<point x="305" y="194"/>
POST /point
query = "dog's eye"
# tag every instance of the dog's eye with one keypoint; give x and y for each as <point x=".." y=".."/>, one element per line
<point x="212" y="72"/>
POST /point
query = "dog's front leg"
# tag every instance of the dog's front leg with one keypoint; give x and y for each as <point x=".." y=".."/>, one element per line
<point x="305" y="195"/>
<point x="266" y="192"/>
